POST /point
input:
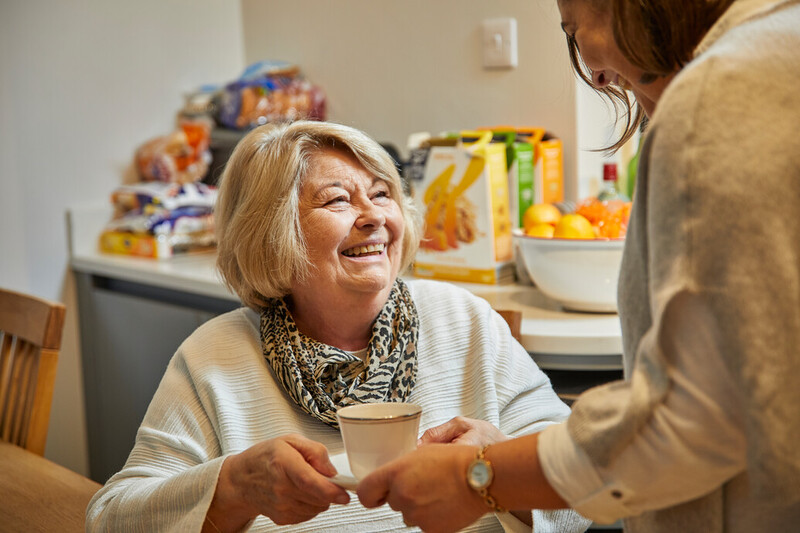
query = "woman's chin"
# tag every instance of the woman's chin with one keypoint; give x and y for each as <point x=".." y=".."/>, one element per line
<point x="375" y="282"/>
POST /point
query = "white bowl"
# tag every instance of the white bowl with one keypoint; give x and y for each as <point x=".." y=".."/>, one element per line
<point x="580" y="274"/>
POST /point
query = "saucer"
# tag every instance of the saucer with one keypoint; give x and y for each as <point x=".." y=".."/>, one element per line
<point x="345" y="477"/>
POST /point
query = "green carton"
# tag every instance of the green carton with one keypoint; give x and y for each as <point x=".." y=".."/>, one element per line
<point x="519" y="159"/>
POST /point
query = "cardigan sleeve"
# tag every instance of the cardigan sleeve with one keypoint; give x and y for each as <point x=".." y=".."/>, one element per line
<point x="692" y="443"/>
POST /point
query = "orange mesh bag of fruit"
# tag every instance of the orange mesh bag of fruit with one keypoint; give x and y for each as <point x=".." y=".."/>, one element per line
<point x="592" y="210"/>
<point x="615" y="224"/>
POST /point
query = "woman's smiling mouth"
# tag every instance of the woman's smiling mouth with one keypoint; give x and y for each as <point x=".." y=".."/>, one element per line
<point x="370" y="249"/>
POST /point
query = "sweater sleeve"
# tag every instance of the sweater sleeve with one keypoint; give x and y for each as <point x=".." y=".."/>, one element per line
<point x="170" y="476"/>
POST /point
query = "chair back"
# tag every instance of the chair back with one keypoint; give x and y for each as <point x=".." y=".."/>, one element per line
<point x="30" y="339"/>
<point x="514" y="321"/>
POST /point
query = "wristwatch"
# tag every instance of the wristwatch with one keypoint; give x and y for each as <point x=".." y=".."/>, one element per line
<point x="480" y="475"/>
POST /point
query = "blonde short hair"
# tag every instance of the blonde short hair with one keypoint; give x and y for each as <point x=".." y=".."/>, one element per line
<point x="261" y="247"/>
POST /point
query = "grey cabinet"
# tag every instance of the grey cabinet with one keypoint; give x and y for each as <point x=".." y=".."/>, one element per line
<point x="129" y="332"/>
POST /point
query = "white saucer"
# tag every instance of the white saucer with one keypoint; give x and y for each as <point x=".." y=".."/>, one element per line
<point x="345" y="477"/>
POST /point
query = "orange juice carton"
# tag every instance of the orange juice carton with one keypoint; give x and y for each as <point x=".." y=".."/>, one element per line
<point x="463" y="198"/>
<point x="548" y="178"/>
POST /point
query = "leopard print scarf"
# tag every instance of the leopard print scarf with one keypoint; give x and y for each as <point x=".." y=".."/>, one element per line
<point x="322" y="378"/>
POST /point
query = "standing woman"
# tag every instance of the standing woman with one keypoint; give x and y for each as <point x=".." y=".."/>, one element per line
<point x="703" y="433"/>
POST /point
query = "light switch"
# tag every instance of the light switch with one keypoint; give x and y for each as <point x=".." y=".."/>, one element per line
<point x="500" y="43"/>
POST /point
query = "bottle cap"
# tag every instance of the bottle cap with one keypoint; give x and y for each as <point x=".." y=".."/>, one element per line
<point x="610" y="172"/>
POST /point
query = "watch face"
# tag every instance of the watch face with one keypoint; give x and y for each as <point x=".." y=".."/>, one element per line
<point x="480" y="475"/>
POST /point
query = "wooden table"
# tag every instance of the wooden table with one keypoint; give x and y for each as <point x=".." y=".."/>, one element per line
<point x="39" y="495"/>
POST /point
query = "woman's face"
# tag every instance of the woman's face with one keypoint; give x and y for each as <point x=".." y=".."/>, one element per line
<point x="353" y="229"/>
<point x="590" y="24"/>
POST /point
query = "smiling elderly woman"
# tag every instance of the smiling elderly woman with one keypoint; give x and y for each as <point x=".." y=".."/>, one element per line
<point x="314" y="229"/>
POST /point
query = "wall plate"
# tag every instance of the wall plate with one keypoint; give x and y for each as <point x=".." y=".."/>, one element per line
<point x="500" y="43"/>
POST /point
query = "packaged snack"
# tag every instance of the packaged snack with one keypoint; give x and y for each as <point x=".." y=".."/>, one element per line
<point x="269" y="91"/>
<point x="180" y="157"/>
<point x="159" y="220"/>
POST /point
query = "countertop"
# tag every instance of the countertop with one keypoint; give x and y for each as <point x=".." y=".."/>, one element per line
<point x="556" y="338"/>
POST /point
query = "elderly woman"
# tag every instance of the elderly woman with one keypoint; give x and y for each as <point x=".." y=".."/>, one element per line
<point x="314" y="229"/>
<point x="703" y="433"/>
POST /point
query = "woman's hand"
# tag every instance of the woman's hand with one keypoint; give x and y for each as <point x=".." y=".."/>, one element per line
<point x="428" y="486"/>
<point x="462" y="430"/>
<point x="285" y="479"/>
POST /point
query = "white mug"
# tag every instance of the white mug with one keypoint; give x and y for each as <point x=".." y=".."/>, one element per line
<point x="376" y="433"/>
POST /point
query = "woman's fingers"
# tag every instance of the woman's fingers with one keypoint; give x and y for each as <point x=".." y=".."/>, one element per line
<point x="314" y="454"/>
<point x="309" y="474"/>
<point x="281" y="482"/>
<point x="444" y="433"/>
<point x="313" y="488"/>
<point x="462" y="430"/>
<point x="428" y="487"/>
<point x="373" y="490"/>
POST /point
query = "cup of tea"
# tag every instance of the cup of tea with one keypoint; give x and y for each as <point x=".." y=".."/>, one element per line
<point x="377" y="433"/>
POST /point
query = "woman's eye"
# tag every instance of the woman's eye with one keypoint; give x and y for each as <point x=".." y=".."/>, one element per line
<point x="381" y="196"/>
<point x="337" y="200"/>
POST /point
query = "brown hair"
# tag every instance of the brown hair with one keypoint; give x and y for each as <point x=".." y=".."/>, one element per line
<point x="261" y="247"/>
<point x="655" y="36"/>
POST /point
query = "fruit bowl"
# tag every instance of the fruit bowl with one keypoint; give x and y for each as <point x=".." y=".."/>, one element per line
<point x="580" y="274"/>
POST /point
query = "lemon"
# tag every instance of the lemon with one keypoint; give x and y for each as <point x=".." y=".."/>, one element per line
<point x="541" y="230"/>
<point x="540" y="214"/>
<point x="574" y="226"/>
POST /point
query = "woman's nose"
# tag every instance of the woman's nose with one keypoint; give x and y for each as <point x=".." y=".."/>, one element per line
<point x="600" y="79"/>
<point x="370" y="215"/>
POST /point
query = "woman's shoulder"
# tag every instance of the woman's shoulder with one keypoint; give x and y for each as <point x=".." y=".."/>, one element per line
<point x="224" y="331"/>
<point x="426" y="292"/>
<point x="748" y="64"/>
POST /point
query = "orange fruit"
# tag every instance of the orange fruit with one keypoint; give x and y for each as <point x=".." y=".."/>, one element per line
<point x="540" y="214"/>
<point x="574" y="226"/>
<point x="593" y="210"/>
<point x="541" y="230"/>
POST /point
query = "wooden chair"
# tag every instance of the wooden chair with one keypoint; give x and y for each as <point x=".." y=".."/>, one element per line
<point x="514" y="321"/>
<point x="30" y="339"/>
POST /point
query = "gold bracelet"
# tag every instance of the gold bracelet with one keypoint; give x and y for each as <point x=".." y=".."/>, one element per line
<point x="480" y="475"/>
<point x="488" y="498"/>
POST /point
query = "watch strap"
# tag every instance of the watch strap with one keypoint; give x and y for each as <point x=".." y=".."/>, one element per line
<point x="484" y="492"/>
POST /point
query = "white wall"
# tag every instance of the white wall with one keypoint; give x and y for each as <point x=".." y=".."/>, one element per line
<point x="82" y="83"/>
<point x="392" y="68"/>
<point x="595" y="130"/>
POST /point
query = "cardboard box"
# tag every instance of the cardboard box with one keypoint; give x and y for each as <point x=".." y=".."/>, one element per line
<point x="159" y="246"/>
<point x="463" y="198"/>
<point x="548" y="180"/>
<point x="535" y="167"/>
